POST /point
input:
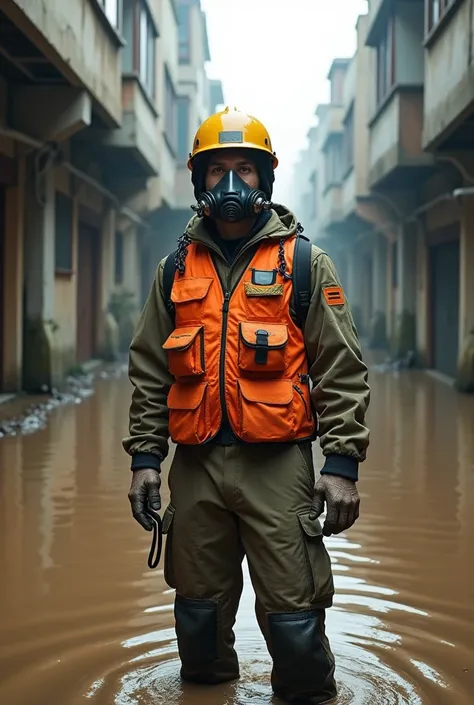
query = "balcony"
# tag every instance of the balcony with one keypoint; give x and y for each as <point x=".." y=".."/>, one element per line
<point x="72" y="44"/>
<point x="331" y="214"/>
<point x="449" y="80"/>
<point x="396" y="156"/>
<point x="330" y="123"/>
<point x="349" y="193"/>
<point x="135" y="145"/>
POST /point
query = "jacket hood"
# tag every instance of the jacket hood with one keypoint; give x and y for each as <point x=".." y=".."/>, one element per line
<point x="281" y="224"/>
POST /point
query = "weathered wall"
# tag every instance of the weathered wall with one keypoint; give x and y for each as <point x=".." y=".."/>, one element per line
<point x="80" y="45"/>
<point x="449" y="74"/>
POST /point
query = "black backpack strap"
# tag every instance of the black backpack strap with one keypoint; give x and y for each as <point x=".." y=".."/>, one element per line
<point x="302" y="278"/>
<point x="169" y="270"/>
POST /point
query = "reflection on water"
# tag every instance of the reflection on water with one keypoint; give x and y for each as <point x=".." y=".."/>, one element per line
<point x="84" y="620"/>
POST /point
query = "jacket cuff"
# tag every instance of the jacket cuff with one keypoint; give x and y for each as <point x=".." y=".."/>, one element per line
<point x="342" y="465"/>
<point x="145" y="461"/>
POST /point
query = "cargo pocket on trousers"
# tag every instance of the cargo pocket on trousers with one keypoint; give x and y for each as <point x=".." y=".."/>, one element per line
<point x="168" y="570"/>
<point x="318" y="562"/>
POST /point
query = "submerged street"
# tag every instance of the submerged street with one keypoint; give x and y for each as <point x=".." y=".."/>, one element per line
<point x="83" y="619"/>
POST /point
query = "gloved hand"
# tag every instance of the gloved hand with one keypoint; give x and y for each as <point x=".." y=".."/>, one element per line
<point x="144" y="493"/>
<point x="342" y="499"/>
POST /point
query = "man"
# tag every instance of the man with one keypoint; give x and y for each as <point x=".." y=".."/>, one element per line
<point x="221" y="364"/>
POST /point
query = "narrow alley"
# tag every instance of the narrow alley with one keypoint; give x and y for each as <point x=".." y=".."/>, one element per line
<point x="83" y="619"/>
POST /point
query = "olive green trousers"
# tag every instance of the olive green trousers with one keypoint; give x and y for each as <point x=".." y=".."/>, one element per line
<point x="228" y="502"/>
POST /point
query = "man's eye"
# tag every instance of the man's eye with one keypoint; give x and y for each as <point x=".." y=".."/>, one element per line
<point x="216" y="170"/>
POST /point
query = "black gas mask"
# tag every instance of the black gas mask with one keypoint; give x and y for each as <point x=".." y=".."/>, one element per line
<point x="231" y="200"/>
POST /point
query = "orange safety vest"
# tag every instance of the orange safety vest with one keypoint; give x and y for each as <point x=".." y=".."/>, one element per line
<point x="237" y="353"/>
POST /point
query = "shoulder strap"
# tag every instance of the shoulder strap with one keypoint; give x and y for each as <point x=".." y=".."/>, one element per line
<point x="302" y="278"/>
<point x="169" y="270"/>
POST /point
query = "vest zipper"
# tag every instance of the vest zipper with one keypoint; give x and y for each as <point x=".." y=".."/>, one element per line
<point x="225" y="318"/>
<point x="301" y="393"/>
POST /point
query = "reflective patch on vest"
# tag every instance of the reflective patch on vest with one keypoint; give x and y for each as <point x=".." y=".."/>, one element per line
<point x="334" y="295"/>
<point x="231" y="137"/>
<point x="255" y="290"/>
<point x="264" y="277"/>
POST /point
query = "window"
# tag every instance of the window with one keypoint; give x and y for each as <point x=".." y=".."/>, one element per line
<point x="139" y="55"/>
<point x="183" y="129"/>
<point x="435" y="11"/>
<point x="184" y="28"/>
<point x="111" y="9"/>
<point x="63" y="236"/>
<point x="170" y="112"/>
<point x="385" y="61"/>
<point x="349" y="140"/>
<point x="333" y="162"/>
<point x="118" y="257"/>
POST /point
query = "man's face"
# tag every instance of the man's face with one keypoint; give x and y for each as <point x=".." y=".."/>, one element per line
<point x="224" y="160"/>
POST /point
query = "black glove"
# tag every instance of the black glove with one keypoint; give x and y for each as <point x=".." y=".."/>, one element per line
<point x="342" y="499"/>
<point x="145" y="493"/>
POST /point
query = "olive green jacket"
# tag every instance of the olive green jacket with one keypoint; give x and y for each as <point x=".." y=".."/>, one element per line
<point x="340" y="391"/>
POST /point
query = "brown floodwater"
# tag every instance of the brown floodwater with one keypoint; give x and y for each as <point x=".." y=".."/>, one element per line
<point x="83" y="620"/>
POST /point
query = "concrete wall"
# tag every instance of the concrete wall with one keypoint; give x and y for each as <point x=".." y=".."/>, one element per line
<point x="78" y="43"/>
<point x="65" y="288"/>
<point x="194" y="84"/>
<point x="357" y="90"/>
<point x="362" y="108"/>
<point x="449" y="74"/>
<point x="163" y="188"/>
<point x="409" y="50"/>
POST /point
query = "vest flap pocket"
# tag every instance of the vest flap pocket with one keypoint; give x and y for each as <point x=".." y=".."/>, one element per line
<point x="311" y="527"/>
<point x="186" y="396"/>
<point x="190" y="289"/>
<point x="182" y="338"/>
<point x="272" y="335"/>
<point x="275" y="392"/>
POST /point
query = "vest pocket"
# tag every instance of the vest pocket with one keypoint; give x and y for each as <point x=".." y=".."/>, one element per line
<point x="263" y="302"/>
<point x="189" y="296"/>
<point x="266" y="412"/>
<point x="185" y="348"/>
<point x="188" y="413"/>
<point x="263" y="347"/>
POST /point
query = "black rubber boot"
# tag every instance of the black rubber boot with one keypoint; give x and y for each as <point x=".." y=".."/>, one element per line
<point x="205" y="657"/>
<point x="303" y="664"/>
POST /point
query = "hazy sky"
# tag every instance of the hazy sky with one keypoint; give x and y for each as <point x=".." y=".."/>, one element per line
<point x="273" y="57"/>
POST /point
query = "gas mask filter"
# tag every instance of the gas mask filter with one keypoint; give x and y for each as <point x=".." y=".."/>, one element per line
<point x="231" y="200"/>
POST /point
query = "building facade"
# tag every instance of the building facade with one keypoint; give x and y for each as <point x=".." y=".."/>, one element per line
<point x="89" y="159"/>
<point x="398" y="175"/>
<point x="195" y="98"/>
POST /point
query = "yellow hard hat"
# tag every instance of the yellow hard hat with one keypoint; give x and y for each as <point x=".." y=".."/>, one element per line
<point x="231" y="128"/>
